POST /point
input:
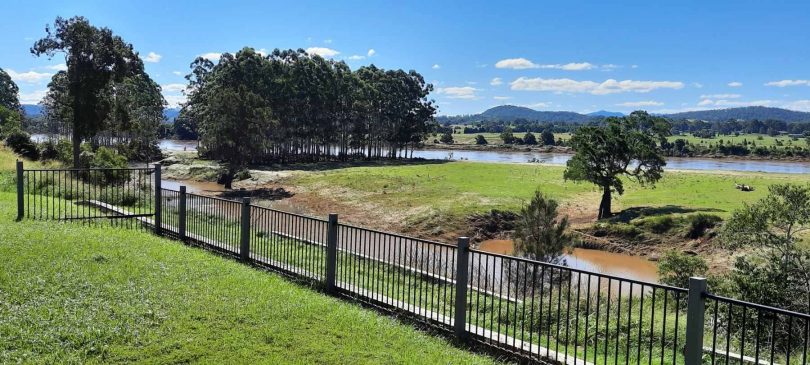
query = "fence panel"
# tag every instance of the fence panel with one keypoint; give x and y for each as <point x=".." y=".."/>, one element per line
<point x="739" y="332"/>
<point x="214" y="221"/>
<point x="116" y="196"/>
<point x="293" y="243"/>
<point x="402" y="273"/>
<point x="573" y="316"/>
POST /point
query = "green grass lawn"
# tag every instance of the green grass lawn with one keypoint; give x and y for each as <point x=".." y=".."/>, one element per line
<point x="455" y="189"/>
<point x="759" y="139"/>
<point x="73" y="293"/>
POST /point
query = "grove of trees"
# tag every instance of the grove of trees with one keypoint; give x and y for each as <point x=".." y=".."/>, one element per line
<point x="289" y="106"/>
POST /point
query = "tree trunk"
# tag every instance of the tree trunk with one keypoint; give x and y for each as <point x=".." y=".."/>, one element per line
<point x="604" y="205"/>
<point x="77" y="146"/>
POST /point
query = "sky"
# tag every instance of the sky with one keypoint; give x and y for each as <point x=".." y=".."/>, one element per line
<point x="577" y="56"/>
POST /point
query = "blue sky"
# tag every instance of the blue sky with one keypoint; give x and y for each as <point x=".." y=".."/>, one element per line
<point x="577" y="56"/>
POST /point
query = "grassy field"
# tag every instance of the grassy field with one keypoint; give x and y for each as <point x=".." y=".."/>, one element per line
<point x="71" y="293"/>
<point x="445" y="192"/>
<point x="759" y="139"/>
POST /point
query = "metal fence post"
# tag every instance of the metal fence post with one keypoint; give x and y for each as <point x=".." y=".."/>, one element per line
<point x="244" y="247"/>
<point x="181" y="214"/>
<point x="695" y="312"/>
<point x="158" y="201"/>
<point x="331" y="252"/>
<point x="20" y="211"/>
<point x="462" y="267"/>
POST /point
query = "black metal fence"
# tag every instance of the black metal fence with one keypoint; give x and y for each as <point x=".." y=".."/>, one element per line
<point x="537" y="311"/>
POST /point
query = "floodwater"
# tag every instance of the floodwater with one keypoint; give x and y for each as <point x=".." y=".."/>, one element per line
<point x="704" y="164"/>
<point x="603" y="262"/>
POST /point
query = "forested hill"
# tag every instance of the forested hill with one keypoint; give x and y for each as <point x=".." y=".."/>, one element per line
<point x="509" y="113"/>
<point x="745" y="113"/>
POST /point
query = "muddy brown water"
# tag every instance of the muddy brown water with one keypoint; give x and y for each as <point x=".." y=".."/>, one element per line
<point x="603" y="262"/>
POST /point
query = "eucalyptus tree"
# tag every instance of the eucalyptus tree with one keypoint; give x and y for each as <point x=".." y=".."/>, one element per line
<point x="95" y="59"/>
<point x="8" y="92"/>
<point x="234" y="117"/>
<point x="627" y="146"/>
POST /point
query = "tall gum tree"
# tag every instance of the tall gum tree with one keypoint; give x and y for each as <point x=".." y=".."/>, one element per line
<point x="627" y="146"/>
<point x="95" y="59"/>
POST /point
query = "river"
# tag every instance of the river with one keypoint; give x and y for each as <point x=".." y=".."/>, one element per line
<point x="702" y="164"/>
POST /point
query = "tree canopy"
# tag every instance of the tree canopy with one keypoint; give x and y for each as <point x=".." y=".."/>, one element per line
<point x="627" y="146"/>
<point x="8" y="92"/>
<point x="291" y="106"/>
<point x="539" y="233"/>
<point x="104" y="85"/>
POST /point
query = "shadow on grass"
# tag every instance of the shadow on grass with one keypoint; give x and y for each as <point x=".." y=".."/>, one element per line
<point x="629" y="214"/>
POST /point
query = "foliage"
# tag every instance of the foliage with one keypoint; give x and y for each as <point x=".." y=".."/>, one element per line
<point x="547" y="137"/>
<point x="675" y="268"/>
<point x="103" y="84"/>
<point x="480" y="140"/>
<point x="625" y="146"/>
<point x="8" y="92"/>
<point x="20" y="142"/>
<point x="507" y="136"/>
<point x="49" y="150"/>
<point x="698" y="224"/>
<point x="446" y="138"/>
<point x="778" y="272"/>
<point x="10" y="120"/>
<point x="539" y="233"/>
<point x="529" y="139"/>
<point x="185" y="127"/>
<point x="294" y="106"/>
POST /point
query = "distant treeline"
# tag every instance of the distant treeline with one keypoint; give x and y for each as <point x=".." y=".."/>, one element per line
<point x="290" y="106"/>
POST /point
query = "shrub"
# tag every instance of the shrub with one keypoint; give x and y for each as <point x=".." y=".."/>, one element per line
<point x="698" y="224"/>
<point x="658" y="224"/>
<point x="675" y="268"/>
<point x="48" y="150"/>
<point x="20" y="142"/>
<point x="480" y="140"/>
<point x="106" y="158"/>
<point x="446" y="138"/>
<point x="618" y="229"/>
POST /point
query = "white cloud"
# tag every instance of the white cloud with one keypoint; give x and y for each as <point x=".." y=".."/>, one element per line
<point x="356" y="57"/>
<point x="173" y="87"/>
<point x="174" y="100"/>
<point x="636" y="104"/>
<point x="496" y="81"/>
<point x="609" y="86"/>
<point x="501" y="97"/>
<point x="458" y="92"/>
<point x="522" y="64"/>
<point x="541" y="104"/>
<point x="33" y="97"/>
<point x="327" y="41"/>
<point x="705" y="102"/>
<point x="178" y="73"/>
<point x="153" y="57"/>
<point x="263" y="52"/>
<point x="323" y="52"/>
<point x="784" y="83"/>
<point x="30" y="77"/>
<point x="609" y="67"/>
<point x="735" y="84"/>
<point x="633" y="66"/>
<point x="211" y="56"/>
<point x="721" y="96"/>
<point x="436" y="66"/>
<point x="371" y="52"/>
<point x="697" y="85"/>
<point x="515" y="63"/>
<point x="57" y="67"/>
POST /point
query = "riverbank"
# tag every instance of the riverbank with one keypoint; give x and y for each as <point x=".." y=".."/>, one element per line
<point x="436" y="199"/>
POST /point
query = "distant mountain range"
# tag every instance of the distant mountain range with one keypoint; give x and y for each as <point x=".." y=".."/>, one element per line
<point x="512" y="112"/>
<point x="33" y="110"/>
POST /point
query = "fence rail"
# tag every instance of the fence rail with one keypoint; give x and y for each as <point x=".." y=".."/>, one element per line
<point x="537" y="311"/>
